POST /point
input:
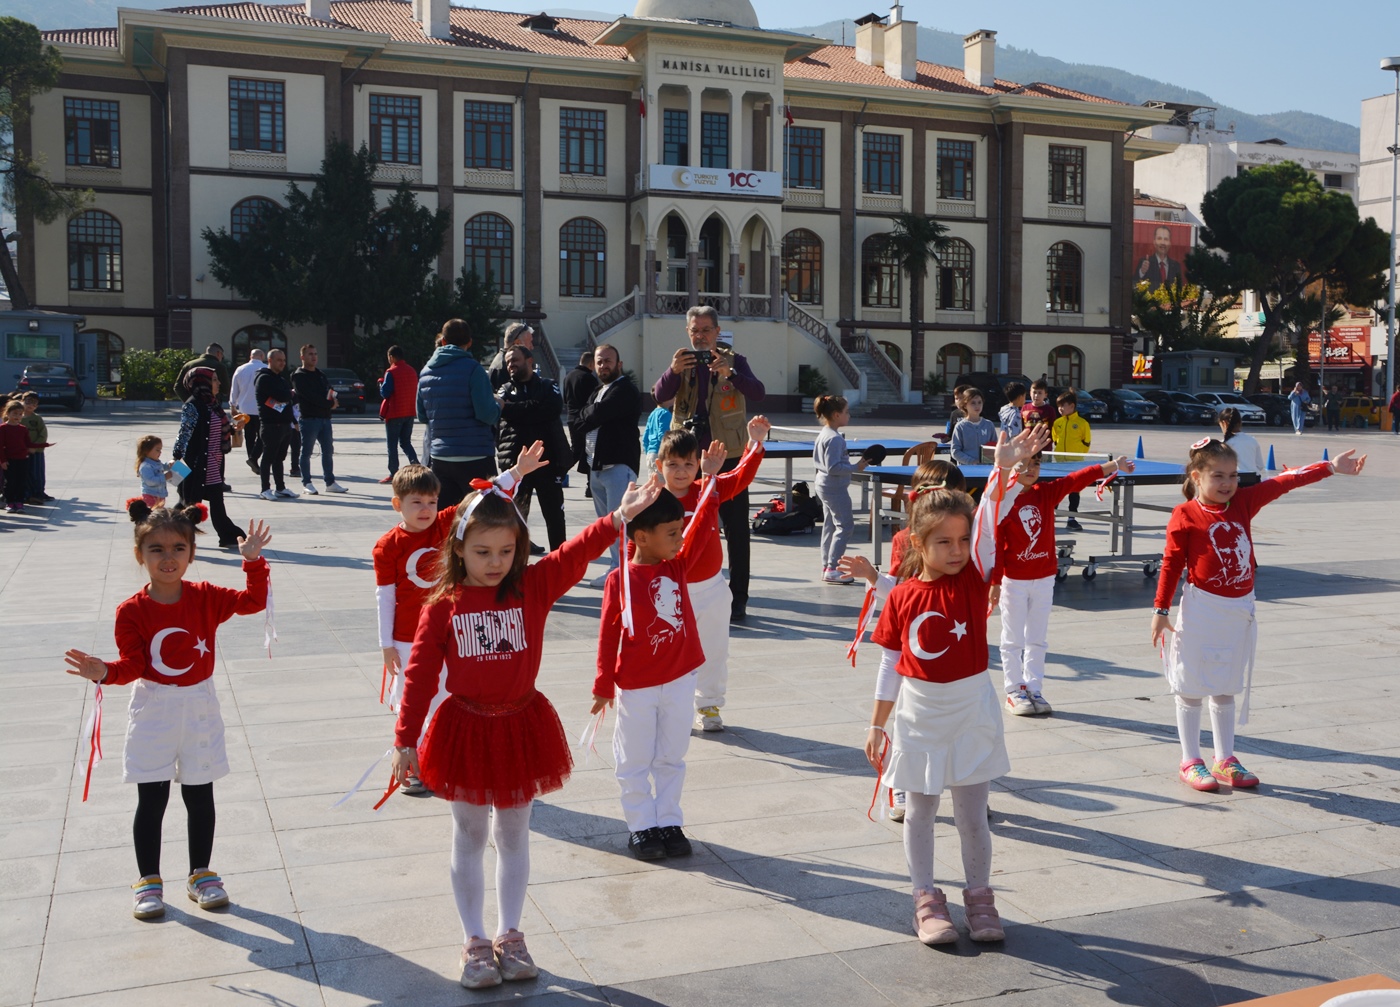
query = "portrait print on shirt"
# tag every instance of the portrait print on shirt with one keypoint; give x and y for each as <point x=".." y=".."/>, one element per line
<point x="493" y="632"/>
<point x="669" y="624"/>
<point x="1033" y="522"/>
<point x="1230" y="543"/>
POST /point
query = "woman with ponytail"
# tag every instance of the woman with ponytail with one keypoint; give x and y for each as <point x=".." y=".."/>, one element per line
<point x="205" y="437"/>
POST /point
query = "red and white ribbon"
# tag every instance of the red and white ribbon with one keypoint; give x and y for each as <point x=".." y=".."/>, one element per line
<point x="269" y="615"/>
<point x="627" y="623"/>
<point x="92" y="734"/>
<point x="485" y="487"/>
<point x="588" y="740"/>
<point x="879" y="775"/>
<point x="705" y="495"/>
<point x="1103" y="485"/>
<point x="867" y="609"/>
<point x="364" y="778"/>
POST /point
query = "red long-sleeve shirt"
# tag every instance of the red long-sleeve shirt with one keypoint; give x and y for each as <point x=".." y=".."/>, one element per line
<point x="174" y="644"/>
<point x="728" y="485"/>
<point x="939" y="627"/>
<point x="1213" y="545"/>
<point x="492" y="648"/>
<point x="667" y="642"/>
<point x="1026" y="536"/>
<point x="409" y="561"/>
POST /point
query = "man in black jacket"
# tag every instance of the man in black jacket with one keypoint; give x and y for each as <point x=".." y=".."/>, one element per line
<point x="315" y="399"/>
<point x="213" y="358"/>
<point x="274" y="394"/>
<point x="530" y="408"/>
<point x="579" y="386"/>
<point x="612" y="440"/>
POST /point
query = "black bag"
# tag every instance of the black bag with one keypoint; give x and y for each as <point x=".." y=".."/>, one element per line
<point x="799" y="519"/>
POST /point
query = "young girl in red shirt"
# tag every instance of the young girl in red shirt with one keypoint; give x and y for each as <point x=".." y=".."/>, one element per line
<point x="165" y="635"/>
<point x="1210" y="652"/>
<point x="495" y="744"/>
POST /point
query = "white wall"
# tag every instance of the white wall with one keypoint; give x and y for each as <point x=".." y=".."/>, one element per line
<point x="305" y="108"/>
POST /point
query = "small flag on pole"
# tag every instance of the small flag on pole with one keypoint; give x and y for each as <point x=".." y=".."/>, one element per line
<point x="787" y="114"/>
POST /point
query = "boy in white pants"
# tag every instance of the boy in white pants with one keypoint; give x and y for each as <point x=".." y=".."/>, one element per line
<point x="649" y="648"/>
<point x="678" y="461"/>
<point x="1024" y="578"/>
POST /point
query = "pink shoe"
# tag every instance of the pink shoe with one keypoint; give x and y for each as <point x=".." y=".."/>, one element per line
<point x="1231" y="772"/>
<point x="479" y="969"/>
<point x="1195" y="775"/>
<point x="931" y="920"/>
<point x="983" y="920"/>
<point x="512" y="957"/>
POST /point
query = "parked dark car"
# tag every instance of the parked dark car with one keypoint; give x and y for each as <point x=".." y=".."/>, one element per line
<point x="1093" y="409"/>
<point x="1277" y="412"/>
<point x="1127" y="406"/>
<point x="993" y="388"/>
<point x="349" y="389"/>
<point x="54" y="383"/>
<point x="1177" y="408"/>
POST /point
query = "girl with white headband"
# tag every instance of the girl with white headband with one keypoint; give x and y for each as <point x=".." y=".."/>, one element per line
<point x="494" y="744"/>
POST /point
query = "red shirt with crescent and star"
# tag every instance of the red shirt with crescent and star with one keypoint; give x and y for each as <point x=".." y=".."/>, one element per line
<point x="174" y="644"/>
<point x="409" y="561"/>
<point x="728" y="485"/>
<point x="1213" y="545"/>
<point x="1026" y="536"/>
<point x="939" y="627"/>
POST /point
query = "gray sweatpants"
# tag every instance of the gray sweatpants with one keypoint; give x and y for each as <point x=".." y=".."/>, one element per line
<point x="837" y="520"/>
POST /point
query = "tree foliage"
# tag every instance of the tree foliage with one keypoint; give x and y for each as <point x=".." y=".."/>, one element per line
<point x="332" y="256"/>
<point x="915" y="243"/>
<point x="150" y="374"/>
<point x="1182" y="317"/>
<point x="1277" y="231"/>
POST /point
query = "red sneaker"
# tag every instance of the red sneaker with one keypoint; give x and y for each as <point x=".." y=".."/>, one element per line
<point x="1195" y="775"/>
<point x="1231" y="772"/>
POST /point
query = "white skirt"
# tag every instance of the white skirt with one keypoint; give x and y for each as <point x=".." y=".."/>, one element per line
<point x="175" y="732"/>
<point x="946" y="734"/>
<point x="1212" y="651"/>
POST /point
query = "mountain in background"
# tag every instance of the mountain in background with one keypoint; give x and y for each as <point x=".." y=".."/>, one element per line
<point x="1298" y="129"/>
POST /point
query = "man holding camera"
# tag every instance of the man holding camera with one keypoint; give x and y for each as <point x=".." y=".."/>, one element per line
<point x="711" y="388"/>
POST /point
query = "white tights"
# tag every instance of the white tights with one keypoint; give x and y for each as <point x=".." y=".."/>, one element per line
<point x="510" y="832"/>
<point x="970" y="816"/>
<point x="1222" y="726"/>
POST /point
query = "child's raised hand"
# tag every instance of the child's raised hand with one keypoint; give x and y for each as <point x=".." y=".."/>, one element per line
<point x="759" y="428"/>
<point x="94" y="669"/>
<point x="531" y="458"/>
<point x="1348" y="464"/>
<point x="598" y="704"/>
<point x="858" y="566"/>
<point x="252" y="545"/>
<point x="712" y="460"/>
<point x="1027" y="444"/>
<point x="1161" y="626"/>
<point x="405" y="764"/>
<point x="1124" y="464"/>
<point x="639" y="498"/>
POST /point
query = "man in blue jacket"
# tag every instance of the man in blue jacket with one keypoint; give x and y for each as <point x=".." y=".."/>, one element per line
<point x="456" y="404"/>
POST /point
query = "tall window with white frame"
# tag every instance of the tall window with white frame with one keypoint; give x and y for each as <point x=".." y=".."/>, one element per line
<point x="1064" y="279"/>
<point x="490" y="250"/>
<point x="883" y="164"/>
<point x="804" y="157"/>
<point x="714" y="139"/>
<point x="1066" y="175"/>
<point x="582" y="259"/>
<point x="396" y="128"/>
<point x="92" y="131"/>
<point x="257" y="115"/>
<point x="954" y="270"/>
<point x="489" y="129"/>
<point x="879" y="274"/>
<point x="1065" y="366"/>
<point x="675" y="136"/>
<point x="95" y="252"/>
<point x="582" y="141"/>
<point x="802" y="266"/>
<point x="956" y="160"/>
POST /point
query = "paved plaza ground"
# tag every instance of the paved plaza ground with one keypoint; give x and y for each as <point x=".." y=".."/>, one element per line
<point x="1121" y="885"/>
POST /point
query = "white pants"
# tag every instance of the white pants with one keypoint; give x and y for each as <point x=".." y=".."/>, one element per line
<point x="1025" y="631"/>
<point x="396" y="691"/>
<point x="650" y="739"/>
<point x="711" y="601"/>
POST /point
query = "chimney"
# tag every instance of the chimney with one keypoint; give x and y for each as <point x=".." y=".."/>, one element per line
<point x="870" y="40"/>
<point x="979" y="58"/>
<point x="436" y="23"/>
<point x="901" y="46"/>
<point x="319" y="9"/>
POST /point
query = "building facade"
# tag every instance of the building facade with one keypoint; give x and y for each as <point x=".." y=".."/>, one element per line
<point x="608" y="176"/>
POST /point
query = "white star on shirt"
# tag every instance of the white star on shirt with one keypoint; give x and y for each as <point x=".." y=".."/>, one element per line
<point x="959" y="629"/>
<point x="201" y="647"/>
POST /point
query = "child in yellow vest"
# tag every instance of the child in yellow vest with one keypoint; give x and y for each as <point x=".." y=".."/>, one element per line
<point x="1071" y="435"/>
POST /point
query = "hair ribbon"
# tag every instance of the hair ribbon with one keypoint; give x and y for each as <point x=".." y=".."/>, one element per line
<point x="484" y="488"/>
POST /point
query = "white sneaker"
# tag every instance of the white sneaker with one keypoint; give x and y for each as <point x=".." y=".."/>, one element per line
<point x="308" y="490"/>
<point x="336" y="488"/>
<point x="286" y="494"/>
<point x="599" y="581"/>
<point x="836" y="576"/>
<point x="1040" y="703"/>
<point x="268" y="494"/>
<point x="897" y="811"/>
<point x="1020" y="704"/>
<point x="709" y="720"/>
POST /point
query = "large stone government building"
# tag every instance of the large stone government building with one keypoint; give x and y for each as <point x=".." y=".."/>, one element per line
<point x="609" y="175"/>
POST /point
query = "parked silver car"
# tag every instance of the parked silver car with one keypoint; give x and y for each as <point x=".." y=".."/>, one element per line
<point x="1249" y="412"/>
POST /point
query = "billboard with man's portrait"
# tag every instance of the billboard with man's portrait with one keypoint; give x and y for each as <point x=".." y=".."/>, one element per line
<point x="1159" y="253"/>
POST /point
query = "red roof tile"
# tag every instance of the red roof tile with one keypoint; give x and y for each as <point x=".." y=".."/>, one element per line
<point x="83" y="36"/>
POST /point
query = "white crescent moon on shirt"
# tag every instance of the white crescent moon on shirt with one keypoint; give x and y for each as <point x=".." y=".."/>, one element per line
<point x="156" y="661"/>
<point x="919" y="652"/>
<point x="411" y="569"/>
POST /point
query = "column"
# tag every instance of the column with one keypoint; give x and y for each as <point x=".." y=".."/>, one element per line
<point x="775" y="134"/>
<point x="692" y="272"/>
<point x="649" y="279"/>
<point x="734" y="276"/>
<point x="692" y="138"/>
<point x="775" y="286"/>
<point x="736" y="131"/>
<point x="651" y="133"/>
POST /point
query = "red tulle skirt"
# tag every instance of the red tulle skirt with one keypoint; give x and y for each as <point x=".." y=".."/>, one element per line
<point x="505" y="755"/>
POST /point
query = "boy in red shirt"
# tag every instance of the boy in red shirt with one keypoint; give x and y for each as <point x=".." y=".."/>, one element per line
<point x="678" y="461"/>
<point x="651" y="667"/>
<point x="14" y="455"/>
<point x="1027" y="562"/>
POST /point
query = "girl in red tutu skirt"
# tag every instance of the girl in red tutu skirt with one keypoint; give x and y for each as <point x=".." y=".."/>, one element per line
<point x="494" y="743"/>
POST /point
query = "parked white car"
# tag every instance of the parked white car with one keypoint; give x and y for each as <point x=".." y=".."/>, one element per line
<point x="1249" y="412"/>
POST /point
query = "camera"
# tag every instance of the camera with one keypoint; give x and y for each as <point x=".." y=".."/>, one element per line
<point x="700" y="427"/>
<point x="702" y="358"/>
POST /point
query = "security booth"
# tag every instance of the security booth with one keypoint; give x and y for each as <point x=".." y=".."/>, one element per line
<point x="46" y="337"/>
<point x="1196" y="371"/>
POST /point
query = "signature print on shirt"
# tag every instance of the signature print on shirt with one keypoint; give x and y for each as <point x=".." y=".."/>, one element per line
<point x="498" y="631"/>
<point x="1230" y="543"/>
<point x="669" y="624"/>
<point x="1032" y="521"/>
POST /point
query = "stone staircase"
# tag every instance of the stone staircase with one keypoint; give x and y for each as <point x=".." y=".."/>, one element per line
<point x="882" y="399"/>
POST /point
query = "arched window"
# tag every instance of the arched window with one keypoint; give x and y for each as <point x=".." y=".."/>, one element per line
<point x="582" y="266"/>
<point x="490" y="250"/>
<point x="246" y="213"/>
<point x="802" y="266"/>
<point x="256" y="337"/>
<point x="94" y="252"/>
<point x="110" y="348"/>
<point x="1065" y="367"/>
<point x="953" y="361"/>
<point x="879" y="274"/>
<point x="1064" y="283"/>
<point x="954" y="270"/>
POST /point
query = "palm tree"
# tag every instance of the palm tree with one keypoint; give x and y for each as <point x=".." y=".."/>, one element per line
<point x="915" y="243"/>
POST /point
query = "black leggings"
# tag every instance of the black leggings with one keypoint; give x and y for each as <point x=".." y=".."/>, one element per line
<point x="151" y="799"/>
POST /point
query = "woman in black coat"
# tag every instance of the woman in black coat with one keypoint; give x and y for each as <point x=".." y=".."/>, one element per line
<point x="205" y="437"/>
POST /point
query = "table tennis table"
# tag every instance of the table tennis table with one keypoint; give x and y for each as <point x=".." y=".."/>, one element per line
<point x="1121" y="516"/>
<point x="788" y="450"/>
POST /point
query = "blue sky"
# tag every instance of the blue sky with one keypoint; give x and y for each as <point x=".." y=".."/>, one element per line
<point x="1257" y="56"/>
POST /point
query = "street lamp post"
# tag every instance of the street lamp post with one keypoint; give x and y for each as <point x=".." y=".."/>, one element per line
<point x="1392" y="64"/>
